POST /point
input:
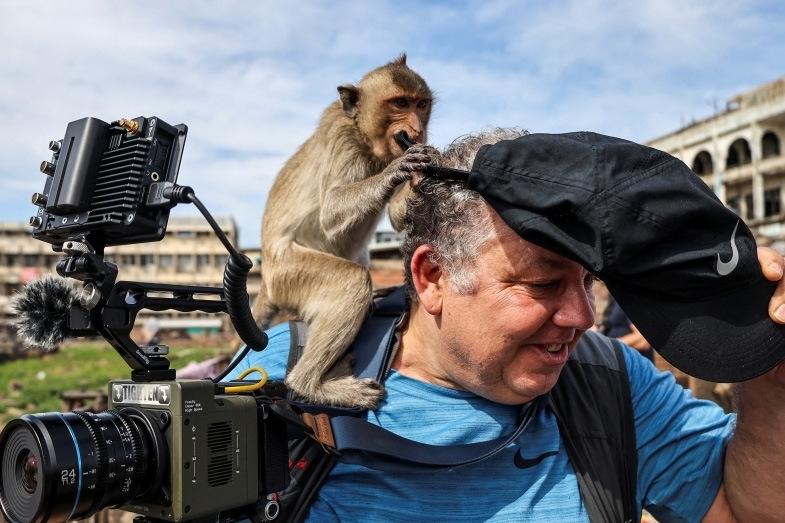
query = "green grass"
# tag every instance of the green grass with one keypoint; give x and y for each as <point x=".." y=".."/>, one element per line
<point x="34" y="384"/>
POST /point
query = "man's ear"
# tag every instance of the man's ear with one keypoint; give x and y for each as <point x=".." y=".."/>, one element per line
<point x="427" y="279"/>
<point x="350" y="96"/>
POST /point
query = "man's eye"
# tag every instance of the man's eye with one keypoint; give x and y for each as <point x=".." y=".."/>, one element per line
<point x="544" y="285"/>
<point x="403" y="103"/>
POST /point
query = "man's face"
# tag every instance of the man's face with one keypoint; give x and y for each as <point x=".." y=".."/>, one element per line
<point x="509" y="339"/>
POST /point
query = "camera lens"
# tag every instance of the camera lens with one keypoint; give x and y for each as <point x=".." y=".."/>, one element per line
<point x="62" y="466"/>
<point x="27" y="469"/>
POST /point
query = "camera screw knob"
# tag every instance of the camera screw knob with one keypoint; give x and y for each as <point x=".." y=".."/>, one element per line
<point x="39" y="199"/>
<point x="54" y="145"/>
<point x="89" y="296"/>
<point x="75" y="248"/>
<point x="36" y="221"/>
<point x="47" y="168"/>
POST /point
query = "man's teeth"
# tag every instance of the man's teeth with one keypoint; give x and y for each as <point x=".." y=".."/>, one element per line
<point x="553" y="347"/>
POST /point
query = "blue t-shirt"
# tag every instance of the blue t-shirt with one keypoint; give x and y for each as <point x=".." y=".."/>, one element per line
<point x="681" y="447"/>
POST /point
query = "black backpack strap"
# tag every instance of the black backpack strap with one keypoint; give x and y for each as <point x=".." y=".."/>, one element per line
<point x="372" y="347"/>
<point x="593" y="405"/>
<point x="298" y="334"/>
<point x="360" y="442"/>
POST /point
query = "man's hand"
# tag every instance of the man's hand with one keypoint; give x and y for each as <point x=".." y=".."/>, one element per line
<point x="773" y="266"/>
<point x="635" y="339"/>
<point x="755" y="457"/>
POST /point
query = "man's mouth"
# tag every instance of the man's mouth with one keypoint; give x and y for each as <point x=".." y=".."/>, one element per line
<point x="554" y="353"/>
<point x="554" y="347"/>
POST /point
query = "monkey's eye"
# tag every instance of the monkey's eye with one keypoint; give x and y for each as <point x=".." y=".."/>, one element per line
<point x="401" y="102"/>
<point x="422" y="104"/>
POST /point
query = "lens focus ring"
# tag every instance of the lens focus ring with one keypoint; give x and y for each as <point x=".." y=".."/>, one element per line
<point x="60" y="466"/>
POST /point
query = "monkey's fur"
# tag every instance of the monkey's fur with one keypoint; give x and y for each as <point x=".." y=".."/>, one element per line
<point x="321" y="212"/>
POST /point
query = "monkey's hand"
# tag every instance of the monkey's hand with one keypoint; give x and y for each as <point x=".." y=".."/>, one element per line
<point x="410" y="165"/>
<point x="346" y="208"/>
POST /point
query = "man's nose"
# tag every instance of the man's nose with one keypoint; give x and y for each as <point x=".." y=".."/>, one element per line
<point x="576" y="310"/>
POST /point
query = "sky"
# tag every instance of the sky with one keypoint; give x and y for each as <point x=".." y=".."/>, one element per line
<point x="251" y="78"/>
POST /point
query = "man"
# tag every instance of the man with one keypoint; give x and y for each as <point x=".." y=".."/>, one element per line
<point x="493" y="320"/>
<point x="616" y="324"/>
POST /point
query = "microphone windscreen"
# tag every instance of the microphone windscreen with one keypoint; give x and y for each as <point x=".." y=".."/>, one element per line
<point x="41" y="309"/>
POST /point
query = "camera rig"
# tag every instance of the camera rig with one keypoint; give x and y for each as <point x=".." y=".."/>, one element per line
<point x="170" y="450"/>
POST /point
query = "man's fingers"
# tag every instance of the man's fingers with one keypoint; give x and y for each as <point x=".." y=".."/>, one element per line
<point x="771" y="263"/>
<point x="773" y="267"/>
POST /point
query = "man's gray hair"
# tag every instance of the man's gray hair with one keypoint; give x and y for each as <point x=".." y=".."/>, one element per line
<point x="450" y="217"/>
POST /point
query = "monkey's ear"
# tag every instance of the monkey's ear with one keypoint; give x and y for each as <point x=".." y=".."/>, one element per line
<point x="349" y="96"/>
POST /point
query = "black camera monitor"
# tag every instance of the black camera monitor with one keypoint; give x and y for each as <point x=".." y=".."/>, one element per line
<point x="105" y="182"/>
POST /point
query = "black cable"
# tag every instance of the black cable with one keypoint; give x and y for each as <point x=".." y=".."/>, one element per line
<point x="237" y="305"/>
<point x="235" y="274"/>
<point x="218" y="231"/>
<point x="229" y="368"/>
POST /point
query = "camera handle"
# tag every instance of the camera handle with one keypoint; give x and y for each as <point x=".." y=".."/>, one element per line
<point x="110" y="307"/>
<point x="127" y="298"/>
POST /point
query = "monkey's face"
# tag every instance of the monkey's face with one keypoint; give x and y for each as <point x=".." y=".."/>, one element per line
<point x="409" y="114"/>
<point x="388" y="100"/>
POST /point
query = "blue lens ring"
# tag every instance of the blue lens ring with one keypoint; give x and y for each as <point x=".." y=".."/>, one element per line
<point x="78" y="454"/>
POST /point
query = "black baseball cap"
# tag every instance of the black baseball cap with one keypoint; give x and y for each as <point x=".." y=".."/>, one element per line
<point x="682" y="266"/>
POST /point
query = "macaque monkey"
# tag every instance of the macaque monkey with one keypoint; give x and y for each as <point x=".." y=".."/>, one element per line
<point x="321" y="212"/>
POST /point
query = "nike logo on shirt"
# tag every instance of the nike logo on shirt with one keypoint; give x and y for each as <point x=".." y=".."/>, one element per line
<point x="725" y="268"/>
<point x="523" y="463"/>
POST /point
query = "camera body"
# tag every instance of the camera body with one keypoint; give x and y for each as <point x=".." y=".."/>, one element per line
<point x="213" y="458"/>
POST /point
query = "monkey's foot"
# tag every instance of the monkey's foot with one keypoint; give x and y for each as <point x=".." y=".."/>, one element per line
<point x="341" y="392"/>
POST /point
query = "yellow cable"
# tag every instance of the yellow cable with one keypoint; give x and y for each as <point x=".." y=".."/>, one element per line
<point x="249" y="388"/>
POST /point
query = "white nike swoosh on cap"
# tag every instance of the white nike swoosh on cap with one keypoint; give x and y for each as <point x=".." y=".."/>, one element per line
<point x="725" y="268"/>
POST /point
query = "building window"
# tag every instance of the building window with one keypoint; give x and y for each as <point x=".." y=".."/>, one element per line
<point x="749" y="208"/>
<point x="127" y="259"/>
<point x="30" y="260"/>
<point x="734" y="204"/>
<point x="738" y="154"/>
<point x="202" y="261"/>
<point x="702" y="163"/>
<point x="772" y="202"/>
<point x="165" y="261"/>
<point x="770" y="145"/>
<point x="185" y="263"/>
<point x="221" y="259"/>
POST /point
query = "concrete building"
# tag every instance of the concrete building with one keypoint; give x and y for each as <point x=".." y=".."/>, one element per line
<point x="189" y="254"/>
<point x="738" y="153"/>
